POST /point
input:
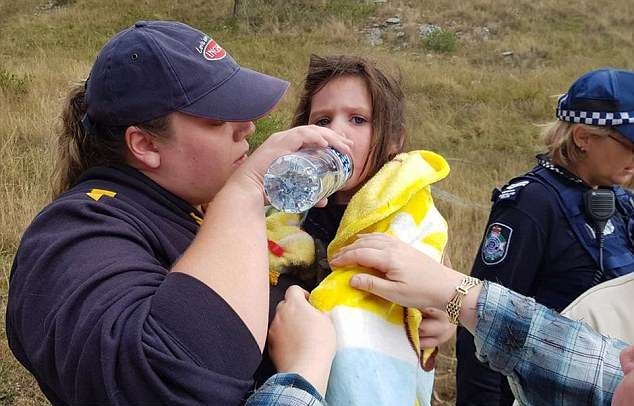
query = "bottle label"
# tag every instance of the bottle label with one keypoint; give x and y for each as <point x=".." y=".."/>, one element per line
<point x="346" y="162"/>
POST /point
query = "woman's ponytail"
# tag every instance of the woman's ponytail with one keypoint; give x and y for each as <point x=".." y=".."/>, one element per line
<point x="79" y="149"/>
<point x="70" y="138"/>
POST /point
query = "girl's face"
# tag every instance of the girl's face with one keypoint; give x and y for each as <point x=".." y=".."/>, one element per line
<point x="344" y="105"/>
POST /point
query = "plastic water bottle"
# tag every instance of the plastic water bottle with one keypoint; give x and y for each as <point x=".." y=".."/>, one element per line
<point x="296" y="182"/>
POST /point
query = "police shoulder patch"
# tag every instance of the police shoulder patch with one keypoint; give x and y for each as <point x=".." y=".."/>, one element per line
<point x="496" y="243"/>
<point x="511" y="191"/>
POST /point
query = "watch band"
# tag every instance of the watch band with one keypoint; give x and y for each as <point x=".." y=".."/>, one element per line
<point x="455" y="303"/>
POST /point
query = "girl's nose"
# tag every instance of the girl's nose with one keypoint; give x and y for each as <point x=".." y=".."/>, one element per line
<point x="338" y="126"/>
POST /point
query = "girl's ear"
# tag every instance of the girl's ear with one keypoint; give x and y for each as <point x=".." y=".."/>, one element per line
<point x="142" y="148"/>
<point x="397" y="146"/>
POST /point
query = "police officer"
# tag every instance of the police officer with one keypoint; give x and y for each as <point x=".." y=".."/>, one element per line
<point x="564" y="226"/>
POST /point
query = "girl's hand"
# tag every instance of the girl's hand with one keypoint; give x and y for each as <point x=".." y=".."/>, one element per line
<point x="435" y="329"/>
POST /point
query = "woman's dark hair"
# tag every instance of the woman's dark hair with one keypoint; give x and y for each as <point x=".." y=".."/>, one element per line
<point x="388" y="103"/>
<point x="79" y="150"/>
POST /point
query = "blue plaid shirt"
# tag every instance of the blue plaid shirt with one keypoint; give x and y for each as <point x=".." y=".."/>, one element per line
<point x="549" y="359"/>
<point x="286" y="390"/>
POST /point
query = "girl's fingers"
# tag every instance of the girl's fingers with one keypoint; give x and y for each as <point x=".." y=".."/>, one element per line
<point x="429" y="342"/>
<point x="322" y="203"/>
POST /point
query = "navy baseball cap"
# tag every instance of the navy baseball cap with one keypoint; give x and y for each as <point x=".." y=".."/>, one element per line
<point x="158" y="67"/>
<point x="603" y="97"/>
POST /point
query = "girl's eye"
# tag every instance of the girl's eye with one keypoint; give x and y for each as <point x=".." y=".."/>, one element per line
<point x="322" y="122"/>
<point x="358" y="120"/>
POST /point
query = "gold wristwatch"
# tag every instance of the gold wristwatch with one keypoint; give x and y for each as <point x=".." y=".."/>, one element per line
<point x="455" y="304"/>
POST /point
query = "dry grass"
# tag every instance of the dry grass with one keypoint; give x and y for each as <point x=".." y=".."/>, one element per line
<point x="474" y="106"/>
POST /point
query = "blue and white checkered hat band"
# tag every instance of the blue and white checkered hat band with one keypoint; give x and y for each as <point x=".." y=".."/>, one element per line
<point x="596" y="118"/>
<point x="611" y="118"/>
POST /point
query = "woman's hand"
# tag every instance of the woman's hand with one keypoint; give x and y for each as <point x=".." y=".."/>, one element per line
<point x="287" y="142"/>
<point x="302" y="339"/>
<point x="413" y="278"/>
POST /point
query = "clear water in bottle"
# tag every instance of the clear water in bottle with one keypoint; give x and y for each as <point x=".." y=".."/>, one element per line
<point x="296" y="182"/>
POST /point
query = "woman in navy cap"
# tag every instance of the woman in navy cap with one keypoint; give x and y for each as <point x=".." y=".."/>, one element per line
<point x="120" y="292"/>
<point x="566" y="225"/>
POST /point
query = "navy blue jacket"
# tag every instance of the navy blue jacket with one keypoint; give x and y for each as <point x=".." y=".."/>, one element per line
<point x="529" y="247"/>
<point x="95" y="315"/>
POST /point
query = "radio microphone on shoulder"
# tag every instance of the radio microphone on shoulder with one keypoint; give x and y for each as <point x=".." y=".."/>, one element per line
<point x="599" y="207"/>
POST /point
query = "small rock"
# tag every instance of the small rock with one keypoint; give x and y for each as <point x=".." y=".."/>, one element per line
<point x="380" y="1"/>
<point x="425" y="29"/>
<point x="393" y="20"/>
<point x="483" y="33"/>
<point x="507" y="53"/>
<point x="400" y="34"/>
<point x="373" y="36"/>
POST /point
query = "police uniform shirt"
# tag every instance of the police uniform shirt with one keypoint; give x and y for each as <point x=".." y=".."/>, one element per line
<point x="527" y="246"/>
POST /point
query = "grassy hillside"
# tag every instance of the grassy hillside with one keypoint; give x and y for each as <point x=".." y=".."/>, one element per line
<point x="477" y="93"/>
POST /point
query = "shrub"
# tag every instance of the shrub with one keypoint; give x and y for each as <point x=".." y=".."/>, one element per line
<point x="441" y="41"/>
<point x="12" y="83"/>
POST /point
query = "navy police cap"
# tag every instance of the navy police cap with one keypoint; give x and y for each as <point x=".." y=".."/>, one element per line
<point x="603" y="97"/>
<point x="158" y="67"/>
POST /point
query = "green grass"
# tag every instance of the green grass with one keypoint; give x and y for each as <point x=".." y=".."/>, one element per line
<point x="466" y="100"/>
<point x="13" y="84"/>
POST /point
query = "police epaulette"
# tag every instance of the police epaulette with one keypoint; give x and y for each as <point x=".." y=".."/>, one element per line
<point x="96" y="194"/>
<point x="510" y="191"/>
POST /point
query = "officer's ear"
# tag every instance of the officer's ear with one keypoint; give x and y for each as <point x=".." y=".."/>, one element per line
<point x="142" y="148"/>
<point x="581" y="137"/>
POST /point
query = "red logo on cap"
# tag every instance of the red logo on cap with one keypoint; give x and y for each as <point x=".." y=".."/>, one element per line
<point x="213" y="51"/>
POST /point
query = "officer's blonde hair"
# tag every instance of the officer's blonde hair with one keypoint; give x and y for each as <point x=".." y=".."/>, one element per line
<point x="560" y="147"/>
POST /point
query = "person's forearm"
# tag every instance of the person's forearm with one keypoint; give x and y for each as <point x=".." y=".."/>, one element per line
<point x="446" y="288"/>
<point x="468" y="313"/>
<point x="229" y="254"/>
<point x="315" y="371"/>
<point x="538" y="348"/>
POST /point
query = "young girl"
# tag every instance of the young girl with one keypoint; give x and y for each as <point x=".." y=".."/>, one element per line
<point x="351" y="96"/>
